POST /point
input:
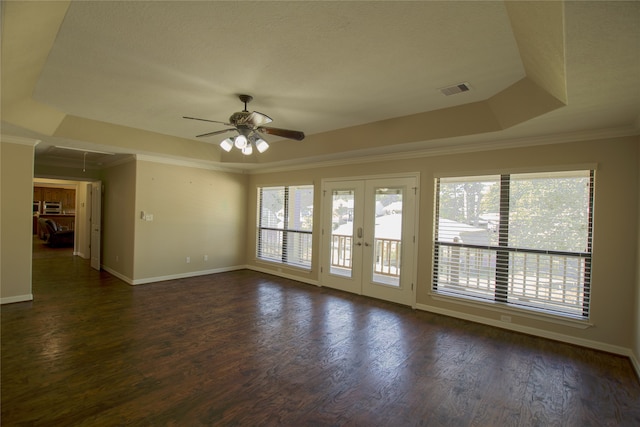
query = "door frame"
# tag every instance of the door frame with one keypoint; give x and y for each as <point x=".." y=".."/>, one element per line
<point x="95" y="224"/>
<point x="323" y="250"/>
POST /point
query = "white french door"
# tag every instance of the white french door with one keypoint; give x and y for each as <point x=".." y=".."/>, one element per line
<point x="368" y="237"/>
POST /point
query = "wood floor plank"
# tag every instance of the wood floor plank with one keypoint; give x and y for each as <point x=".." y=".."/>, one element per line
<point x="246" y="348"/>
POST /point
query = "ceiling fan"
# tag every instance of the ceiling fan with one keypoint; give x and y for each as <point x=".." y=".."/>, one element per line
<point x="249" y="126"/>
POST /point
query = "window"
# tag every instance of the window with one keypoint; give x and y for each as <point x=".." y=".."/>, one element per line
<point x="285" y="223"/>
<point x="518" y="239"/>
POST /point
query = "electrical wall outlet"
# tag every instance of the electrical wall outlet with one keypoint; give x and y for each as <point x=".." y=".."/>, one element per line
<point x="188" y="259"/>
<point x="206" y="257"/>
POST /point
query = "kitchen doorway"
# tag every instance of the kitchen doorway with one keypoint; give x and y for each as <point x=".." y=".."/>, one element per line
<point x="73" y="220"/>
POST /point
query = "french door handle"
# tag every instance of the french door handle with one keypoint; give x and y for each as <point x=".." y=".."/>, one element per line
<point x="358" y="244"/>
<point x="366" y="244"/>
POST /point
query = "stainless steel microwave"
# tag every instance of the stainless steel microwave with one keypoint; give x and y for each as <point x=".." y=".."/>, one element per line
<point x="52" y="208"/>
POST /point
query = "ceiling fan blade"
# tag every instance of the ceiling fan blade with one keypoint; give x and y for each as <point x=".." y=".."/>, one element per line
<point x="215" y="132"/>
<point x="258" y="119"/>
<point x="205" y="120"/>
<point x="285" y="133"/>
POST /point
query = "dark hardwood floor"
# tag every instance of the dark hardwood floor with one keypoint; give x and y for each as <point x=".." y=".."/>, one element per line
<point x="245" y="348"/>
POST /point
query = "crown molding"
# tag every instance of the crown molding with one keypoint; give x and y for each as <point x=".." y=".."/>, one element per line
<point x="19" y="140"/>
<point x="187" y="163"/>
<point x="442" y="147"/>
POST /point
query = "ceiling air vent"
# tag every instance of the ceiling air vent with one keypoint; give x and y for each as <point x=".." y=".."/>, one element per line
<point x="452" y="90"/>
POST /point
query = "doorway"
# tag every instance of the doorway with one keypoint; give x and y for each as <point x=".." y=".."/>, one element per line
<point x="369" y="237"/>
<point x="80" y="211"/>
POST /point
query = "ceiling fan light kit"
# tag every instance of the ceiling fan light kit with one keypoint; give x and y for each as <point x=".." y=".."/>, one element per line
<point x="244" y="145"/>
<point x="226" y="144"/>
<point x="240" y="142"/>
<point x="248" y="125"/>
<point x="261" y="145"/>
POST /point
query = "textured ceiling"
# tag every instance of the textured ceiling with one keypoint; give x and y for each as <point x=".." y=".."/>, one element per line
<point x="118" y="76"/>
<point x="313" y="65"/>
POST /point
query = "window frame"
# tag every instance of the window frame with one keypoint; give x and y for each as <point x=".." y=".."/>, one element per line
<point x="285" y="258"/>
<point x="503" y="251"/>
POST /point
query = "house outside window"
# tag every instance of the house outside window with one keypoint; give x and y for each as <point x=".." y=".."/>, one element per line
<point x="523" y="240"/>
<point x="285" y="224"/>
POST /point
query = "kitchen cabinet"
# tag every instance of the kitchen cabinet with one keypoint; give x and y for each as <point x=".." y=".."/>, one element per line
<point x="66" y="196"/>
<point x="52" y="194"/>
<point x="69" y="200"/>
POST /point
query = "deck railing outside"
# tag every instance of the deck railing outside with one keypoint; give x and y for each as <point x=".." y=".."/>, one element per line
<point x="387" y="254"/>
<point x="298" y="246"/>
<point x="341" y="250"/>
<point x="546" y="281"/>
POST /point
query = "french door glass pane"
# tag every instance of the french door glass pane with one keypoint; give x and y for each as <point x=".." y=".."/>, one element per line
<point x="387" y="236"/>
<point x="342" y="232"/>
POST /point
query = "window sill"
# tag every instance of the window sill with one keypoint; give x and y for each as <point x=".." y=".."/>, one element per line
<point x="503" y="308"/>
<point x="280" y="265"/>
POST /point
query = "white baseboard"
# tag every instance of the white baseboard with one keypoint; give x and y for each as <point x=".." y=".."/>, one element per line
<point x="635" y="363"/>
<point x="281" y="274"/>
<point x="623" y="351"/>
<point x="120" y="276"/>
<point x="147" y="280"/>
<point x="17" y="298"/>
<point x="186" y="275"/>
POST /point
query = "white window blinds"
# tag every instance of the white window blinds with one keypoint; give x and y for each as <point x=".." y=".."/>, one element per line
<point x="285" y="224"/>
<point x="519" y="239"/>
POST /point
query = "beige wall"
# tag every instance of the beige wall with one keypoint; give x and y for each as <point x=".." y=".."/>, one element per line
<point x="200" y="212"/>
<point x="636" y="346"/>
<point x="615" y="220"/>
<point x="16" y="227"/>
<point x="196" y="213"/>
<point x="118" y="222"/>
